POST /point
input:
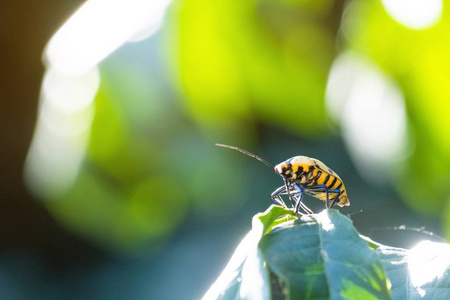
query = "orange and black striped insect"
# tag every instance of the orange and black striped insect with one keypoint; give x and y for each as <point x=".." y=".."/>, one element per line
<point x="304" y="174"/>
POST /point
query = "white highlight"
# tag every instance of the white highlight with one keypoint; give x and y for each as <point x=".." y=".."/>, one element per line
<point x="325" y="221"/>
<point x="71" y="82"/>
<point x="414" y="14"/>
<point x="98" y="28"/>
<point x="62" y="132"/>
<point x="254" y="286"/>
<point x="371" y="110"/>
<point x="428" y="261"/>
<point x="231" y="270"/>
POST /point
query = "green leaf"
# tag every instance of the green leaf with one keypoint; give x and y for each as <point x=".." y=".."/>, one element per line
<point x="246" y="276"/>
<point x="273" y="216"/>
<point x="420" y="273"/>
<point x="250" y="63"/>
<point x="244" y="271"/>
<point x="322" y="256"/>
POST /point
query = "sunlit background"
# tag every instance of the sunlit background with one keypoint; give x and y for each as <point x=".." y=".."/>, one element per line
<point x="111" y="184"/>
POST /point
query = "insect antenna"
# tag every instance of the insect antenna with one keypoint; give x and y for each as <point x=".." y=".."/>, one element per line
<point x="247" y="153"/>
<point x="354" y="213"/>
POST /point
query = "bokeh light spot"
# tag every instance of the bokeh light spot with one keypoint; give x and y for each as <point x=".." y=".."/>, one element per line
<point x="427" y="261"/>
<point x="371" y="110"/>
<point x="98" y="28"/>
<point x="62" y="132"/>
<point x="414" y="14"/>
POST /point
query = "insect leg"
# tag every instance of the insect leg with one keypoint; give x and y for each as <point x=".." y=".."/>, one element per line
<point x="299" y="204"/>
<point x="305" y="208"/>
<point x="335" y="200"/>
<point x="293" y="202"/>
<point x="276" y="196"/>
<point x="324" y="189"/>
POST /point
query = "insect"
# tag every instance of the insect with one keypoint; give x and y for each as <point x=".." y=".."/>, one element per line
<point x="302" y="174"/>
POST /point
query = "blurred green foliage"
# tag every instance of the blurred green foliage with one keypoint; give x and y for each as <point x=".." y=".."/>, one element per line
<point x="264" y="60"/>
<point x="221" y="71"/>
<point x="418" y="61"/>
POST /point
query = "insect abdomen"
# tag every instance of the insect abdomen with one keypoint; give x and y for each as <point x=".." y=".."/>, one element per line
<point x="331" y="180"/>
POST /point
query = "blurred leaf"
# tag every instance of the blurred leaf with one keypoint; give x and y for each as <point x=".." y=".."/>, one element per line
<point x="235" y="59"/>
<point x="423" y="182"/>
<point x="122" y="199"/>
<point x="117" y="218"/>
<point x="133" y="80"/>
<point x="90" y="208"/>
<point x="154" y="209"/>
<point x="322" y="256"/>
<point x="418" y="61"/>
<point x="206" y="173"/>
<point x="113" y="145"/>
